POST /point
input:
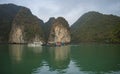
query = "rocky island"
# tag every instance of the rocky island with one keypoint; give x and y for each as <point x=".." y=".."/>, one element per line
<point x="57" y="31"/>
<point x="60" y="32"/>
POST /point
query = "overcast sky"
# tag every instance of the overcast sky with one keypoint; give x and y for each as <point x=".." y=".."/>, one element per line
<point x="71" y="10"/>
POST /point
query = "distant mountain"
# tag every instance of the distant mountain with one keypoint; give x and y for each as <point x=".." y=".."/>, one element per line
<point x="19" y="25"/>
<point x="96" y="27"/>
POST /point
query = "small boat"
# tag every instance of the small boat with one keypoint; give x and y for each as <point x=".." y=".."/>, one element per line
<point x="58" y="44"/>
<point x="35" y="44"/>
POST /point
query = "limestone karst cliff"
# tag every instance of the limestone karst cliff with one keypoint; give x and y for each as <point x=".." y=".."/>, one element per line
<point x="60" y="31"/>
<point x="7" y="14"/>
<point x="26" y="28"/>
<point x="19" y="25"/>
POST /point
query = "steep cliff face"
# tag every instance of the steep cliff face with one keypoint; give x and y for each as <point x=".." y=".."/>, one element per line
<point x="16" y="35"/>
<point x="26" y="28"/>
<point x="7" y="14"/>
<point x="19" y="25"/>
<point x="60" y="31"/>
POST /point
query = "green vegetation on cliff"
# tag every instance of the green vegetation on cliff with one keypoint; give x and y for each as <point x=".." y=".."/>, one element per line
<point x="60" y="31"/>
<point x="7" y="14"/>
<point x="96" y="27"/>
<point x="47" y="28"/>
<point x="30" y="23"/>
<point x="56" y="29"/>
<point x="13" y="18"/>
<point x="18" y="23"/>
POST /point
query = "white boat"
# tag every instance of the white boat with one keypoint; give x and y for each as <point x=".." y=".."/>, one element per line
<point x="35" y="44"/>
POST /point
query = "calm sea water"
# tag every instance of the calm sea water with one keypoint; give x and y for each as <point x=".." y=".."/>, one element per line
<point x="71" y="59"/>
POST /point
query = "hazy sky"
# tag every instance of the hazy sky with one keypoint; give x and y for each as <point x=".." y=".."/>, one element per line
<point x="70" y="9"/>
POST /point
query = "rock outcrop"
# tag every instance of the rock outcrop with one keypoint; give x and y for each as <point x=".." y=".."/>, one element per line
<point x="7" y="14"/>
<point x="16" y="35"/>
<point x="47" y="28"/>
<point x="26" y="28"/>
<point x="60" y="31"/>
<point x="19" y="25"/>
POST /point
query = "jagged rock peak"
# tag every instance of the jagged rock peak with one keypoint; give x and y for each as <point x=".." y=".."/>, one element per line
<point x="62" y="20"/>
<point x="60" y="31"/>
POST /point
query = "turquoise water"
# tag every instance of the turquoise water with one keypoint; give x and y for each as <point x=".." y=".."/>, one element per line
<point x="71" y="59"/>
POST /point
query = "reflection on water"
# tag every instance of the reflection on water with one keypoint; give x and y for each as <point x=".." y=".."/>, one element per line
<point x="59" y="57"/>
<point x="55" y="60"/>
<point x="24" y="59"/>
<point x="81" y="59"/>
<point x="36" y="50"/>
<point x="62" y="53"/>
<point x="16" y="52"/>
